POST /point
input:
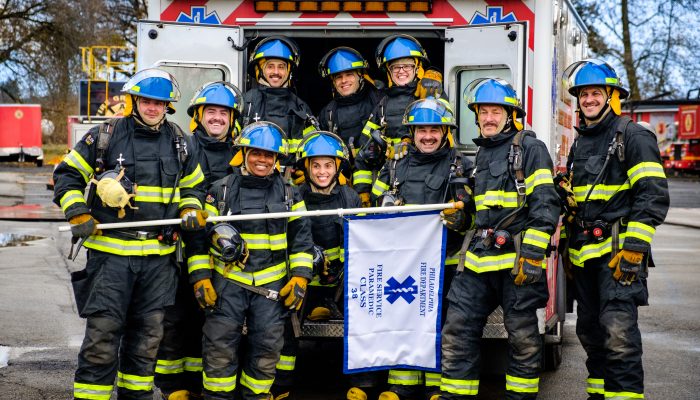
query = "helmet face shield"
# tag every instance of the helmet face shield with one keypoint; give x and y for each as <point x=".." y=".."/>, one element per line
<point x="226" y="243"/>
<point x="263" y="135"/>
<point x="323" y="144"/>
<point x="592" y="72"/>
<point x="341" y="59"/>
<point x="274" y="47"/>
<point x="493" y="91"/>
<point x="429" y="111"/>
<point x="218" y="93"/>
<point x="399" y="46"/>
<point x="154" y="84"/>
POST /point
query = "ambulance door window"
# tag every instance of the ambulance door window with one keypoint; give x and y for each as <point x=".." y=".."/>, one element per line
<point x="466" y="117"/>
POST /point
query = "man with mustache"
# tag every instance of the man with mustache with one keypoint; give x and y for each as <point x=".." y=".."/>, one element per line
<point x="517" y="210"/>
<point x="405" y="62"/>
<point x="214" y="109"/>
<point x="271" y="66"/>
<point x="622" y="195"/>
<point x="425" y="176"/>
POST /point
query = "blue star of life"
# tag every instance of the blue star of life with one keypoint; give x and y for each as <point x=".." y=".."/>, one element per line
<point x="198" y="15"/>
<point x="395" y="290"/>
<point x="494" y="14"/>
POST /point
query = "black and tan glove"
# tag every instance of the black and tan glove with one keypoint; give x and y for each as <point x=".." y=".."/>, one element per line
<point x="364" y="199"/>
<point x="529" y="271"/>
<point x="83" y="225"/>
<point x="430" y="85"/>
<point x="204" y="293"/>
<point x="455" y="218"/>
<point x="294" y="291"/>
<point x="298" y="177"/>
<point x="193" y="219"/>
<point x="626" y="265"/>
<point x="398" y="150"/>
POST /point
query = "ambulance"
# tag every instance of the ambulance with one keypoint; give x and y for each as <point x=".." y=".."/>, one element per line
<point x="527" y="42"/>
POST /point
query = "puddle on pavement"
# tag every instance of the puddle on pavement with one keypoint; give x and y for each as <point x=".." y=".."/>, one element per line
<point x="15" y="239"/>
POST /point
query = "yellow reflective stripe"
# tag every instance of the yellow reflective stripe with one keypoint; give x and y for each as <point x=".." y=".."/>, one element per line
<point x="536" y="238"/>
<point x="334" y="253"/>
<point x="645" y="170"/>
<point x="267" y="275"/>
<point x="226" y="384"/>
<point x="156" y="194"/>
<point x="150" y="247"/>
<point x="362" y="176"/>
<point x="190" y="202"/>
<point x="263" y="241"/>
<point x="623" y="395"/>
<point x="460" y="386"/>
<point x="379" y="187"/>
<point x="369" y="127"/>
<point x="91" y="391"/>
<point x="297" y="260"/>
<point x="166" y="367"/>
<point x="198" y="262"/>
<point x="257" y="386"/>
<point x="432" y="379"/>
<point x="300" y="206"/>
<point x="522" y="385"/>
<point x="193" y="364"/>
<point x="76" y="161"/>
<point x="134" y="382"/>
<point x="452" y="260"/>
<point x="193" y="179"/>
<point x="489" y="263"/>
<point x="593" y="250"/>
<point x="600" y="192"/>
<point x="308" y="130"/>
<point x="71" y="197"/>
<point x="293" y="145"/>
<point x="539" y="177"/>
<point x="640" y="231"/>
<point x="496" y="199"/>
<point x="286" y="363"/>
<point x="595" y="386"/>
<point x="403" y="377"/>
<point x="394" y="140"/>
<point x="211" y="209"/>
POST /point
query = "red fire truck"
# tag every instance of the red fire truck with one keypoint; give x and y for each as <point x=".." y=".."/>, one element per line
<point x="20" y="133"/>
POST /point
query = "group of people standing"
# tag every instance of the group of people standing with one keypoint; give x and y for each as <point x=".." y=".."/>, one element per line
<point x="171" y="307"/>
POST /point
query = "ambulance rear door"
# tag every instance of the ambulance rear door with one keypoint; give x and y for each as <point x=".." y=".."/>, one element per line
<point x="476" y="51"/>
<point x="194" y="53"/>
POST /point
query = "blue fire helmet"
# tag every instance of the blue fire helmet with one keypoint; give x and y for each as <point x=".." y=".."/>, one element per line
<point x="398" y="46"/>
<point x="493" y="91"/>
<point x="341" y="59"/>
<point x="263" y="135"/>
<point x="153" y="83"/>
<point x="592" y="72"/>
<point x="218" y="93"/>
<point x="429" y="111"/>
<point x="274" y="47"/>
<point x="322" y="144"/>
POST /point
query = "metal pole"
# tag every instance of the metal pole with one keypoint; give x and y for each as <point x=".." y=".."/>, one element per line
<point x="315" y="213"/>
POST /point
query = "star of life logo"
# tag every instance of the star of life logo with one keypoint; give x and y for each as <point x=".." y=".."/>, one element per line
<point x="395" y="290"/>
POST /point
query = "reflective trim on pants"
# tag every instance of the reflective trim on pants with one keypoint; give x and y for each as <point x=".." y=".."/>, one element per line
<point x="595" y="386"/>
<point x="623" y="395"/>
<point x="256" y="386"/>
<point x="460" y="386"/>
<point x="134" y="382"/>
<point x="286" y="363"/>
<point x="226" y="384"/>
<point x="522" y="385"/>
<point x="403" y="377"/>
<point x="92" y="391"/>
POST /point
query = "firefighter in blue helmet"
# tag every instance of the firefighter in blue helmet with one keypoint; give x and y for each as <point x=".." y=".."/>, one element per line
<point x="247" y="289"/>
<point x="140" y="170"/>
<point x="433" y="171"/>
<point x="271" y="66"/>
<point x="517" y="210"/>
<point x="618" y="196"/>
<point x="405" y="63"/>
<point x="354" y="97"/>
<point x="214" y="109"/>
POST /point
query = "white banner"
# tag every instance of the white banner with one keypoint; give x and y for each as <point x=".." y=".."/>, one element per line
<point x="393" y="291"/>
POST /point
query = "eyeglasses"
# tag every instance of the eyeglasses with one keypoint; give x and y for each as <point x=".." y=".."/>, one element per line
<point x="402" y="67"/>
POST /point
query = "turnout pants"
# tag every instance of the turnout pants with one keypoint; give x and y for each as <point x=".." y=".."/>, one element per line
<point x="179" y="365"/>
<point x="124" y="299"/>
<point x="472" y="298"/>
<point x="608" y="330"/>
<point x="222" y="332"/>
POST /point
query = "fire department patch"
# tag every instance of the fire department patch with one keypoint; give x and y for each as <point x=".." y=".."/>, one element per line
<point x="89" y="139"/>
<point x="210" y="199"/>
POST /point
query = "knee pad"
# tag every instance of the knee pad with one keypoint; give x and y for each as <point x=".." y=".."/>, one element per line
<point x="101" y="343"/>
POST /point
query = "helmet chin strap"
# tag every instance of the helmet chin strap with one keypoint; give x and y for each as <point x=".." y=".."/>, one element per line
<point x="141" y="121"/>
<point x="602" y="113"/>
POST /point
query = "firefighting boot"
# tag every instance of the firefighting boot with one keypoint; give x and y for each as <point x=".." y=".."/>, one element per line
<point x="389" y="396"/>
<point x="356" y="393"/>
<point x="178" y="395"/>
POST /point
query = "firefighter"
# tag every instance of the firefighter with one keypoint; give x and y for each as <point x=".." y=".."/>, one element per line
<point x="246" y="291"/>
<point x="405" y="63"/>
<point x="272" y="65"/>
<point x="141" y="170"/>
<point x="621" y="195"/>
<point x="433" y="171"/>
<point x="214" y="109"/>
<point x="354" y="96"/>
<point x="517" y="210"/>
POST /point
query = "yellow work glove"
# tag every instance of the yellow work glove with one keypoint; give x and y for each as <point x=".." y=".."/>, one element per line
<point x="193" y="219"/>
<point x="204" y="293"/>
<point x="430" y="85"/>
<point x="299" y="177"/>
<point x="529" y="271"/>
<point x="454" y="218"/>
<point x="399" y="150"/>
<point x="83" y="225"/>
<point x="627" y="264"/>
<point x="294" y="292"/>
<point x="364" y="199"/>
